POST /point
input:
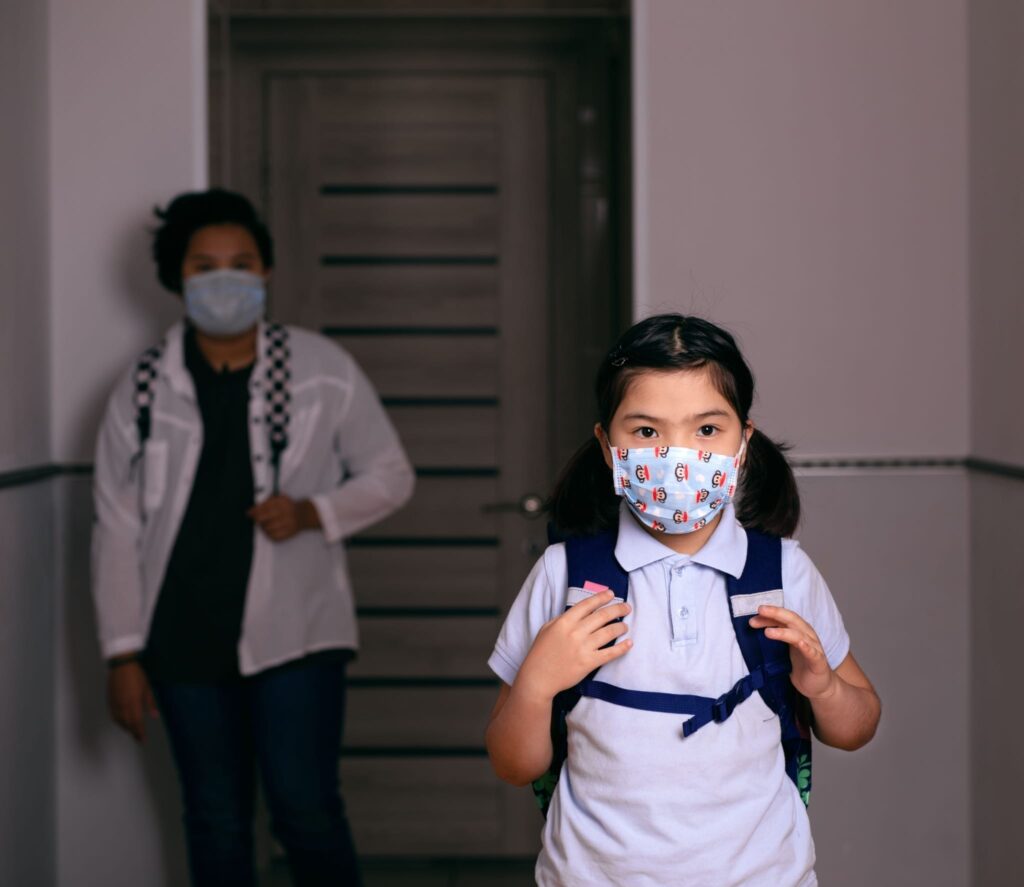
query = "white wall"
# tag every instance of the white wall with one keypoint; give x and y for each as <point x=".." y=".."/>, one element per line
<point x="997" y="428"/>
<point x="802" y="178"/>
<point x="27" y="796"/>
<point x="128" y="131"/>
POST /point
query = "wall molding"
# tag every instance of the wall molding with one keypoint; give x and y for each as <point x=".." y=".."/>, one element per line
<point x="34" y="474"/>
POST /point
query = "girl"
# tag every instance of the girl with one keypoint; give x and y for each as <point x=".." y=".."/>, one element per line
<point x="639" y="801"/>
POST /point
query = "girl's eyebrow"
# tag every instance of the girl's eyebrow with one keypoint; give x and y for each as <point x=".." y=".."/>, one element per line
<point x="696" y="417"/>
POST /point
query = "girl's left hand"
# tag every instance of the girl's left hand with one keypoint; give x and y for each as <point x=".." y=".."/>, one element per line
<point x="812" y="676"/>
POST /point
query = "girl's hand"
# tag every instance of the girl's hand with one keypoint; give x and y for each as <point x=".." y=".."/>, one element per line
<point x="812" y="676"/>
<point x="568" y="647"/>
<point x="281" y="518"/>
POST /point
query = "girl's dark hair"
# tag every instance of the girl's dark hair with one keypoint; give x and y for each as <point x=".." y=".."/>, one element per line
<point x="189" y="212"/>
<point x="584" y="500"/>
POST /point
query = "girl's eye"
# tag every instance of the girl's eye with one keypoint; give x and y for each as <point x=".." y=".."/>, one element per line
<point x="646" y="432"/>
<point x="706" y="431"/>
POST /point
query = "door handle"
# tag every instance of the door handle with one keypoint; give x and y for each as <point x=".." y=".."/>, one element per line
<point x="529" y="506"/>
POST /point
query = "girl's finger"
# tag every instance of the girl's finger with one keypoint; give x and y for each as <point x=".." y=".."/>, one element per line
<point x="608" y="633"/>
<point x="613" y="652"/>
<point x="784" y="617"/>
<point x="604" y="615"/>
<point x="790" y="636"/>
<point x="764" y="622"/>
<point x="585" y="607"/>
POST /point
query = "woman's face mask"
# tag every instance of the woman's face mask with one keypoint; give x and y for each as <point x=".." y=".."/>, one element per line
<point x="675" y="489"/>
<point x="225" y="302"/>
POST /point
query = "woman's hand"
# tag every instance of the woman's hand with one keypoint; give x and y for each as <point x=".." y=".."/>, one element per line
<point x="130" y="698"/>
<point x="812" y="675"/>
<point x="281" y="518"/>
<point x="568" y="647"/>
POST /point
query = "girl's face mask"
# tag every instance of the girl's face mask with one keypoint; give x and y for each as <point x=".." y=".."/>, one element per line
<point x="225" y="302"/>
<point x="675" y="489"/>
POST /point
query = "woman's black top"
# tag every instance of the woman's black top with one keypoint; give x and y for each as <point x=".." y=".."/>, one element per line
<point x="198" y="619"/>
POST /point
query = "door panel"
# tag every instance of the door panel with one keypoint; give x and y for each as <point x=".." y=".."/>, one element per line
<point x="421" y="365"/>
<point x="421" y="295"/>
<point x="387" y="226"/>
<point x="421" y="247"/>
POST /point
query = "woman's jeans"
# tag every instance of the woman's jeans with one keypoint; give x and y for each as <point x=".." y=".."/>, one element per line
<point x="287" y="721"/>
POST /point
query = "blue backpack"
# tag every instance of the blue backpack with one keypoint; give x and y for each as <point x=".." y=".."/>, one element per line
<point x="592" y="558"/>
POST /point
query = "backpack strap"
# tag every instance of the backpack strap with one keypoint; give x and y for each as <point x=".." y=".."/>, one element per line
<point x="762" y="572"/>
<point x="592" y="559"/>
<point x="771" y="658"/>
<point x="278" y="396"/>
<point x="588" y="559"/>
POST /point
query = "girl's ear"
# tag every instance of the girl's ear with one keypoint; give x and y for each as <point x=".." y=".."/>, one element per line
<point x="748" y="433"/>
<point x="602" y="440"/>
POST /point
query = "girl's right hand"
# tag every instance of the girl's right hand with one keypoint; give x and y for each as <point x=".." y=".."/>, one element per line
<point x="130" y="698"/>
<point x="568" y="647"/>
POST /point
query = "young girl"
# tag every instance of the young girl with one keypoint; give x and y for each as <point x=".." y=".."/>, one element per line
<point x="640" y="801"/>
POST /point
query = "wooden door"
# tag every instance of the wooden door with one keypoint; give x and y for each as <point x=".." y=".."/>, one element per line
<point x="414" y="199"/>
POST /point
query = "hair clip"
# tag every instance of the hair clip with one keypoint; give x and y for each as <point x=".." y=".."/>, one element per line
<point x="618" y="357"/>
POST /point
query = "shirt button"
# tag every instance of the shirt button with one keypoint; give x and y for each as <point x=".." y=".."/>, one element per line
<point x="684" y="612"/>
<point x="679" y="571"/>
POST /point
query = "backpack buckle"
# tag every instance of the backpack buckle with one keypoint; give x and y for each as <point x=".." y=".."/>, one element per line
<point x="722" y="708"/>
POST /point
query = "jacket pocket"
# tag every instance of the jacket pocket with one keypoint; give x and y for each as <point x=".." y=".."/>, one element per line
<point x="154" y="478"/>
<point x="301" y="432"/>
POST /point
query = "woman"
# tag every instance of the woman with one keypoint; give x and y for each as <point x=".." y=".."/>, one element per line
<point x="233" y="460"/>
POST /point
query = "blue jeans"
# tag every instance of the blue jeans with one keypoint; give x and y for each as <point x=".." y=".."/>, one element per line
<point x="287" y="721"/>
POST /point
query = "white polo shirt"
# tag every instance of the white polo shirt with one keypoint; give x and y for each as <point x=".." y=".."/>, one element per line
<point x="636" y="804"/>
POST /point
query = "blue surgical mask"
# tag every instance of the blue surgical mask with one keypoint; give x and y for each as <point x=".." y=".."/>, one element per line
<point x="675" y="489"/>
<point x="225" y="302"/>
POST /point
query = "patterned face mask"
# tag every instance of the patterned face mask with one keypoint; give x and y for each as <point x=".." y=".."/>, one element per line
<point x="675" y="489"/>
<point x="225" y="302"/>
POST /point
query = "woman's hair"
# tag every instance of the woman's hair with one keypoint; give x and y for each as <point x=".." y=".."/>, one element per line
<point x="584" y="499"/>
<point x="189" y="212"/>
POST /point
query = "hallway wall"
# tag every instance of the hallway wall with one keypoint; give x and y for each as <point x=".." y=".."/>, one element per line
<point x="997" y="434"/>
<point x="802" y="178"/>
<point x="128" y="130"/>
<point x="27" y="840"/>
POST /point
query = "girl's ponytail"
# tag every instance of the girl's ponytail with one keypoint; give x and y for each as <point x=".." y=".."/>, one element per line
<point x="768" y="497"/>
<point x="584" y="500"/>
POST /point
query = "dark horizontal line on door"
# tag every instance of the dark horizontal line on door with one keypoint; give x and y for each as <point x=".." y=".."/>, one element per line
<point x="420" y="683"/>
<point x="409" y="330"/>
<point x="457" y="472"/>
<point x="440" y="401"/>
<point x="444" y="190"/>
<point x="423" y="542"/>
<point x="413" y="751"/>
<point x="331" y="261"/>
<point x="427" y="612"/>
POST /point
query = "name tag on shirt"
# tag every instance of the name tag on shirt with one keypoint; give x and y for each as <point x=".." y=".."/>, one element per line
<point x="747" y="604"/>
